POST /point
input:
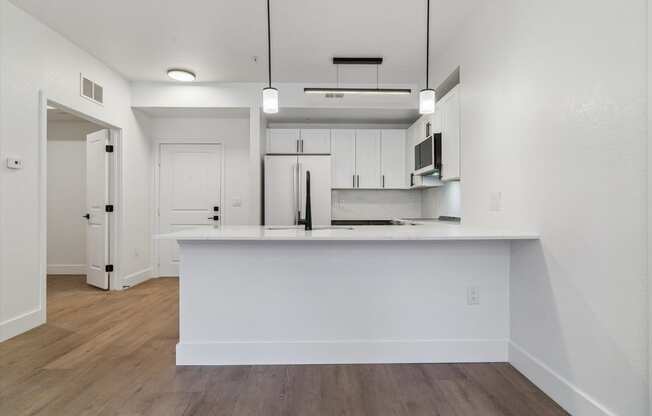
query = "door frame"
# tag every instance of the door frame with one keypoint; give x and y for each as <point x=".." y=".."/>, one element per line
<point x="156" y="195"/>
<point x="116" y="194"/>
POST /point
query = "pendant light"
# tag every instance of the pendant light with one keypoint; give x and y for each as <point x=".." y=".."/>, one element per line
<point x="427" y="95"/>
<point x="270" y="95"/>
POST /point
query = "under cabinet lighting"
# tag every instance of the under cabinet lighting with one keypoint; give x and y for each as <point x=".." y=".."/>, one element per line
<point x="182" y="75"/>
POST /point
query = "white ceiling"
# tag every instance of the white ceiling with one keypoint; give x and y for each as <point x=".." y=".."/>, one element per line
<point x="219" y="38"/>
<point x="195" y="112"/>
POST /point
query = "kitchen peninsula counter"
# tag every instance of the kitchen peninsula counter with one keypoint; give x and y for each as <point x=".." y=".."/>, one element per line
<point x="435" y="292"/>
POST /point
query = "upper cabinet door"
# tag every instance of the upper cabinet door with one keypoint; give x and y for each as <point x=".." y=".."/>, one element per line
<point x="367" y="160"/>
<point x="393" y="159"/>
<point x="283" y="141"/>
<point x="315" y="141"/>
<point x="343" y="158"/>
<point x="450" y="129"/>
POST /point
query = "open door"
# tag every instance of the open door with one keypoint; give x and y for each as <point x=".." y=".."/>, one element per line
<point x="97" y="198"/>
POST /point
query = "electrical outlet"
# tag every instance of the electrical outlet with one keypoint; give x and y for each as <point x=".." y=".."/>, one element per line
<point x="473" y="295"/>
<point x="236" y="202"/>
<point x="14" y="163"/>
<point x="495" y="201"/>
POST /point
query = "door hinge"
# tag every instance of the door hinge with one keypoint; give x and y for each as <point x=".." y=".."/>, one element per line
<point x="108" y="268"/>
<point x="109" y="148"/>
<point x="108" y="208"/>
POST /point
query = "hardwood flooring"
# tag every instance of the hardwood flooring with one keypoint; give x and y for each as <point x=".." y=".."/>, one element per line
<point x="112" y="353"/>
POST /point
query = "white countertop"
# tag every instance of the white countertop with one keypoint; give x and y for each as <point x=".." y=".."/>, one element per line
<point x="431" y="231"/>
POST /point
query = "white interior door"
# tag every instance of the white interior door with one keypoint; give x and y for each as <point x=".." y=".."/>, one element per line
<point x="189" y="194"/>
<point x="97" y="197"/>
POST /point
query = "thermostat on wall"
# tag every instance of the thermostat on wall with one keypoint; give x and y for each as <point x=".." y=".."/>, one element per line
<point x="14" y="163"/>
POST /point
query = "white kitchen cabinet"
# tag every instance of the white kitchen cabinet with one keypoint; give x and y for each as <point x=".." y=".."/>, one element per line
<point x="392" y="145"/>
<point x="343" y="158"/>
<point x="302" y="141"/>
<point x="315" y="141"/>
<point x="367" y="160"/>
<point x="283" y="140"/>
<point x="449" y="109"/>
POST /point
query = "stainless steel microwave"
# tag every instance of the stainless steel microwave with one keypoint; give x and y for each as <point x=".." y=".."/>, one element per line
<point x="427" y="155"/>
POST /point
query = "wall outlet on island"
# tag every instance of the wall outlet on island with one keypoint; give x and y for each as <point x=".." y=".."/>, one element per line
<point x="495" y="201"/>
<point x="472" y="295"/>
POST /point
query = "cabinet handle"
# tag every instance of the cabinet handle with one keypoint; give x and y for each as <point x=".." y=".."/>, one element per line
<point x="383" y="181"/>
<point x="354" y="181"/>
<point x="301" y="145"/>
<point x="358" y="176"/>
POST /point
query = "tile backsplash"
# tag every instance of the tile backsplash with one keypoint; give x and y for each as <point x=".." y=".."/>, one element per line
<point x="361" y="204"/>
<point x="369" y="204"/>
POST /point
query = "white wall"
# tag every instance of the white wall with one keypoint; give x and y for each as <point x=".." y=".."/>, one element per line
<point x="234" y="135"/>
<point x="554" y="118"/>
<point x="35" y="58"/>
<point x="66" y="230"/>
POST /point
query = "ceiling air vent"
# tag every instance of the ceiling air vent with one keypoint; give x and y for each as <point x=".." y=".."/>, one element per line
<point x="91" y="90"/>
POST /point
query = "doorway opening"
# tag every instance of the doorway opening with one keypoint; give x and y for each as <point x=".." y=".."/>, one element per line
<point x="79" y="193"/>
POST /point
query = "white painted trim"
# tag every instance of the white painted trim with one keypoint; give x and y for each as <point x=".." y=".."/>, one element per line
<point x="117" y="190"/>
<point x="21" y="323"/>
<point x="56" y="269"/>
<point x="342" y="352"/>
<point x="139" y="277"/>
<point x="156" y="203"/>
<point x="566" y="394"/>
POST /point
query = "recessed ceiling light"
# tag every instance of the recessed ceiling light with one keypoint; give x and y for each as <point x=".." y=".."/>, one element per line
<point x="182" y="75"/>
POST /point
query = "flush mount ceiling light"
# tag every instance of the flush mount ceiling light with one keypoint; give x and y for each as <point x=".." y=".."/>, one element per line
<point x="427" y="95"/>
<point x="270" y="95"/>
<point x="182" y="75"/>
<point x="358" y="91"/>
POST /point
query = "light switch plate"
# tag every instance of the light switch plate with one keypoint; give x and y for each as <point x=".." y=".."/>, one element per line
<point x="14" y="163"/>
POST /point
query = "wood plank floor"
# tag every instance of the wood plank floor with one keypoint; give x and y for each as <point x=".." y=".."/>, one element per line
<point x="113" y="354"/>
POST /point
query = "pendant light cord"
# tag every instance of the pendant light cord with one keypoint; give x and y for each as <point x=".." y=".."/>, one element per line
<point x="269" y="47"/>
<point x="427" y="43"/>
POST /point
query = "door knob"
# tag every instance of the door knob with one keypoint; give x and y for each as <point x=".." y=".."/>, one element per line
<point x="87" y="216"/>
<point x="214" y="218"/>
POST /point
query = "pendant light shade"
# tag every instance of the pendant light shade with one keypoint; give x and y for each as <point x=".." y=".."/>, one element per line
<point x="270" y="95"/>
<point x="270" y="100"/>
<point x="427" y="101"/>
<point x="427" y="95"/>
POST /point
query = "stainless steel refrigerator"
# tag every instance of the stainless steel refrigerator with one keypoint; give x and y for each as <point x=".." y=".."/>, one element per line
<point x="285" y="189"/>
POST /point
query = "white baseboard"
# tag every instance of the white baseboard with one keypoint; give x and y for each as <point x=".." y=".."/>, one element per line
<point x="566" y="394"/>
<point x="140" y="276"/>
<point x="22" y="323"/>
<point x="342" y="352"/>
<point x="66" y="269"/>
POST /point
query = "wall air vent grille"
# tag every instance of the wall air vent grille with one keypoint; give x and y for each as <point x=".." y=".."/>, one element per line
<point x="91" y="90"/>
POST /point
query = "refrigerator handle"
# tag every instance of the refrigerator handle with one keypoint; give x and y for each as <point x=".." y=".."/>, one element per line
<point x="294" y="192"/>
<point x="299" y="192"/>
